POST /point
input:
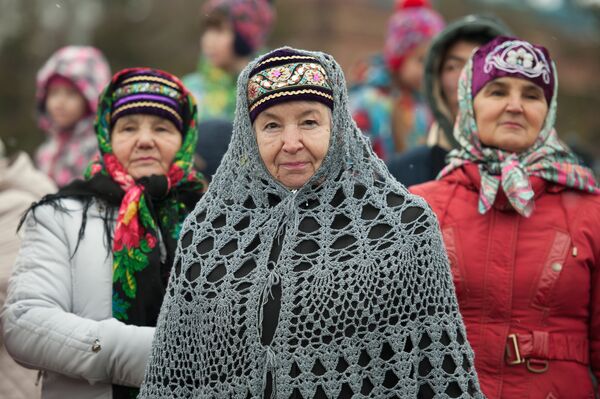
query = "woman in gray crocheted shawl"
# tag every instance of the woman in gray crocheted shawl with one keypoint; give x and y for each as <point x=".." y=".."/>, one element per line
<point x="306" y="270"/>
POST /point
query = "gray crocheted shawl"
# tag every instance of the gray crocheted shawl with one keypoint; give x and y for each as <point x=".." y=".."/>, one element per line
<point x="339" y="289"/>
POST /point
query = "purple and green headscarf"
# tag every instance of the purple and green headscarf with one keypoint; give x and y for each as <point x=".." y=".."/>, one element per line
<point x="548" y="158"/>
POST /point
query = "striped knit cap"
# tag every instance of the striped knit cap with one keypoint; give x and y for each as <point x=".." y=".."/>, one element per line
<point x="285" y="75"/>
<point x="147" y="91"/>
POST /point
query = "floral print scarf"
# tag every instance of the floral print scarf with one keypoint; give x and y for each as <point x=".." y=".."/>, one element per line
<point x="137" y="232"/>
<point x="548" y="158"/>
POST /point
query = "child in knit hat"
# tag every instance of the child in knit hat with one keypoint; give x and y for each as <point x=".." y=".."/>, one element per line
<point x="68" y="86"/>
<point x="388" y="105"/>
<point x="233" y="31"/>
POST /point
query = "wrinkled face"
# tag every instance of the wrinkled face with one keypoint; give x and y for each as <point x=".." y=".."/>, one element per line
<point x="145" y="144"/>
<point x="293" y="139"/>
<point x="454" y="60"/>
<point x="510" y="113"/>
<point x="65" y="105"/>
<point x="217" y="45"/>
<point x="410" y="74"/>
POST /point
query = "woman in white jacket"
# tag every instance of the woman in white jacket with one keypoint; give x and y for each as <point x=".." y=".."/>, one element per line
<point x="93" y="267"/>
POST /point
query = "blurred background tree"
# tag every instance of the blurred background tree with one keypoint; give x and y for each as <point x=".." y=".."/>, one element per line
<point x="165" y="35"/>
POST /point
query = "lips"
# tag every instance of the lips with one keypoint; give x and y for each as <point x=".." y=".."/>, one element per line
<point x="293" y="165"/>
<point x="145" y="159"/>
<point x="512" y="125"/>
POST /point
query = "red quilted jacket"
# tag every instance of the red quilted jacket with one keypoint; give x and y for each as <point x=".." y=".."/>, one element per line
<point x="528" y="288"/>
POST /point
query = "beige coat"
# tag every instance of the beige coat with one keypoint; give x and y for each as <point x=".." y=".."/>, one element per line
<point x="20" y="185"/>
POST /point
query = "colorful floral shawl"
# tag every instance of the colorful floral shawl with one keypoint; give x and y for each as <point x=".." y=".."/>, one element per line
<point x="548" y="158"/>
<point x="136" y="233"/>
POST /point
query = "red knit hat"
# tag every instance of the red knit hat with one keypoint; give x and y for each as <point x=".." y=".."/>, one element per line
<point x="414" y="22"/>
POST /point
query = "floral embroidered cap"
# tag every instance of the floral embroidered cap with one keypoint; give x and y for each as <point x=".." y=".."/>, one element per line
<point x="284" y="75"/>
<point x="512" y="57"/>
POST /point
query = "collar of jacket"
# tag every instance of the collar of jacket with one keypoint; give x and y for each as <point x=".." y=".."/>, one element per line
<point x="468" y="176"/>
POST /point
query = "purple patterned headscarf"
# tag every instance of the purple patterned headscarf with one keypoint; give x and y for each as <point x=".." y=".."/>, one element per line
<point x="510" y="57"/>
<point x="548" y="158"/>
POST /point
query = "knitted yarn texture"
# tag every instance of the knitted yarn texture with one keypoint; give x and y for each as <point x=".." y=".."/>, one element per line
<point x="339" y="289"/>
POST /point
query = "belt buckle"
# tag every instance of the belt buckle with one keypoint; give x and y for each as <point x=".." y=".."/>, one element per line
<point x="515" y="345"/>
<point x="537" y="366"/>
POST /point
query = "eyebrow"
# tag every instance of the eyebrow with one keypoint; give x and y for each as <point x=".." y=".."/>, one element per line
<point x="500" y="85"/>
<point x="532" y="86"/>
<point x="268" y="114"/>
<point x="310" y="111"/>
<point x="452" y="57"/>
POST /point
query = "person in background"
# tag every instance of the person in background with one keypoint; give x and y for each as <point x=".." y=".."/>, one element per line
<point x="216" y="134"/>
<point x="20" y="185"/>
<point x="388" y="105"/>
<point x="92" y="270"/>
<point x="521" y="223"/>
<point x="68" y="86"/>
<point x="306" y="270"/>
<point x="448" y="53"/>
<point x="232" y="31"/>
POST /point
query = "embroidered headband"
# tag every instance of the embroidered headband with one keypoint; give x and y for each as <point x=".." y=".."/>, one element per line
<point x="284" y="75"/>
<point x="512" y="57"/>
<point x="148" y="91"/>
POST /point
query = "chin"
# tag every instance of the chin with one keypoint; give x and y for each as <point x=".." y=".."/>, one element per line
<point x="138" y="174"/>
<point x="294" y="184"/>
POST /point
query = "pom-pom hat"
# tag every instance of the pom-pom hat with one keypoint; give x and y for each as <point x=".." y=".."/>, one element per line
<point x="413" y="23"/>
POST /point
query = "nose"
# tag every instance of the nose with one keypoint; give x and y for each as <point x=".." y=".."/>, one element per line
<point x="292" y="139"/>
<point x="145" y="138"/>
<point x="515" y="104"/>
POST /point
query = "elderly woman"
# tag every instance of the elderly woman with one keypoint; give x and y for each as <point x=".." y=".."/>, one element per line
<point x="307" y="270"/>
<point x="93" y="267"/>
<point x="521" y="223"/>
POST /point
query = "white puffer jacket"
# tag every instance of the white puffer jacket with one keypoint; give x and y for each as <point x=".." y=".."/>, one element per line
<point x="57" y="315"/>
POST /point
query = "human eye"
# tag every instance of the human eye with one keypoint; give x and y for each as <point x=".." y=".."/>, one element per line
<point x="496" y="92"/>
<point x="128" y="128"/>
<point x="533" y="95"/>
<point x="309" y="123"/>
<point x="269" y="126"/>
<point x="449" y="67"/>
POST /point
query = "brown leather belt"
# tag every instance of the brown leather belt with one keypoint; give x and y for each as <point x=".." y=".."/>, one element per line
<point x="536" y="348"/>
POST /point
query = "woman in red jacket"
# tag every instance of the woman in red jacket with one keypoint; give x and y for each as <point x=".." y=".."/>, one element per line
<point x="521" y="222"/>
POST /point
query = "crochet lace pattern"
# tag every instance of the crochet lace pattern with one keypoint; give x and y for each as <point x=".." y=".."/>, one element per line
<point x="340" y="289"/>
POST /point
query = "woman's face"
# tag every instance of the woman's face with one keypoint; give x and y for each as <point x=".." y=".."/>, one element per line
<point x="293" y="139"/>
<point x="454" y="60"/>
<point x="145" y="144"/>
<point x="64" y="104"/>
<point x="510" y="113"/>
<point x="410" y="74"/>
<point x="217" y="45"/>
